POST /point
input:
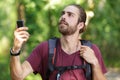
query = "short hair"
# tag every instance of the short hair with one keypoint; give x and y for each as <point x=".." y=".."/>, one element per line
<point x="82" y="16"/>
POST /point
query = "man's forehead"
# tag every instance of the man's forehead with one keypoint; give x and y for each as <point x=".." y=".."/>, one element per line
<point x="71" y="9"/>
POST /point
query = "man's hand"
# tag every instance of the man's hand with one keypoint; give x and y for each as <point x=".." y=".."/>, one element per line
<point x="20" y="37"/>
<point x="88" y="54"/>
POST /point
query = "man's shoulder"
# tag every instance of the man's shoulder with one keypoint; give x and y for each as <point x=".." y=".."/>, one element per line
<point x="95" y="46"/>
<point x="43" y="43"/>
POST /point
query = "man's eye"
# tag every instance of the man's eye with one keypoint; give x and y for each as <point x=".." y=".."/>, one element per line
<point x="69" y="14"/>
<point x="62" y="13"/>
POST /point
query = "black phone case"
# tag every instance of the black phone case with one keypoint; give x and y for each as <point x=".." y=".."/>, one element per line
<point x="20" y="23"/>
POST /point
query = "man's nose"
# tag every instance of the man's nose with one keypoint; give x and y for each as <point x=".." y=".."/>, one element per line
<point x="63" y="16"/>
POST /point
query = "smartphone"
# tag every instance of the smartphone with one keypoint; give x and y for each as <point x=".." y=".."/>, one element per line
<point x="20" y="23"/>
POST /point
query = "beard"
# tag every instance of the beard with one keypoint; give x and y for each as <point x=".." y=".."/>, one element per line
<point x="66" y="29"/>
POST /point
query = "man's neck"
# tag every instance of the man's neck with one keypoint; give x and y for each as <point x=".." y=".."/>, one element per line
<point x="70" y="44"/>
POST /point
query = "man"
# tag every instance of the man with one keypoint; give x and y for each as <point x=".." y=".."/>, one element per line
<point x="69" y="51"/>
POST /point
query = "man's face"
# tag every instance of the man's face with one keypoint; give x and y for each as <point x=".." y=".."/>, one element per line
<point x="69" y="20"/>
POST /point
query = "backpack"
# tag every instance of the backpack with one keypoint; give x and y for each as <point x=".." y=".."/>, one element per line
<point x="51" y="67"/>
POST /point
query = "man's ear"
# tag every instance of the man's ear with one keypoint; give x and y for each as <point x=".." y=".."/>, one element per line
<point x="81" y="25"/>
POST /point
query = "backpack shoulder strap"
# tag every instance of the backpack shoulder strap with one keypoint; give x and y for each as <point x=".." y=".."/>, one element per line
<point x="86" y="43"/>
<point x="88" y="66"/>
<point x="51" y="47"/>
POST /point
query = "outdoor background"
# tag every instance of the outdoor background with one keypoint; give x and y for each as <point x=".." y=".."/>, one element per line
<point x="41" y="16"/>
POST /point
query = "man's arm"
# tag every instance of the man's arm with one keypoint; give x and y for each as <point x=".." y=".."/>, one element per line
<point x="19" y="71"/>
<point x="89" y="55"/>
<point x="97" y="72"/>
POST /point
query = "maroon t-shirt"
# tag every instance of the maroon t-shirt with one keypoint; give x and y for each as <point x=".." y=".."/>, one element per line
<point x="39" y="62"/>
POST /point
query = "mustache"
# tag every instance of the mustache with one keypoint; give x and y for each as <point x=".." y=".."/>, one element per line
<point x="63" y="22"/>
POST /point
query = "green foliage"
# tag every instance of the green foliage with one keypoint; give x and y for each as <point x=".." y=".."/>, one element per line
<point x="4" y="67"/>
<point x="41" y="16"/>
<point x="104" y="30"/>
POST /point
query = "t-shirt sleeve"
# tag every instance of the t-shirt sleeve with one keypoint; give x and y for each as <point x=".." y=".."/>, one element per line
<point x="100" y="59"/>
<point x="35" y="58"/>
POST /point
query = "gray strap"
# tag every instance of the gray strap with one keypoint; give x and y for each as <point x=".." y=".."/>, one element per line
<point x="52" y="45"/>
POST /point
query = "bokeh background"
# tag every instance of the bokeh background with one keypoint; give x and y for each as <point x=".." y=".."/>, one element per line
<point x="41" y="16"/>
